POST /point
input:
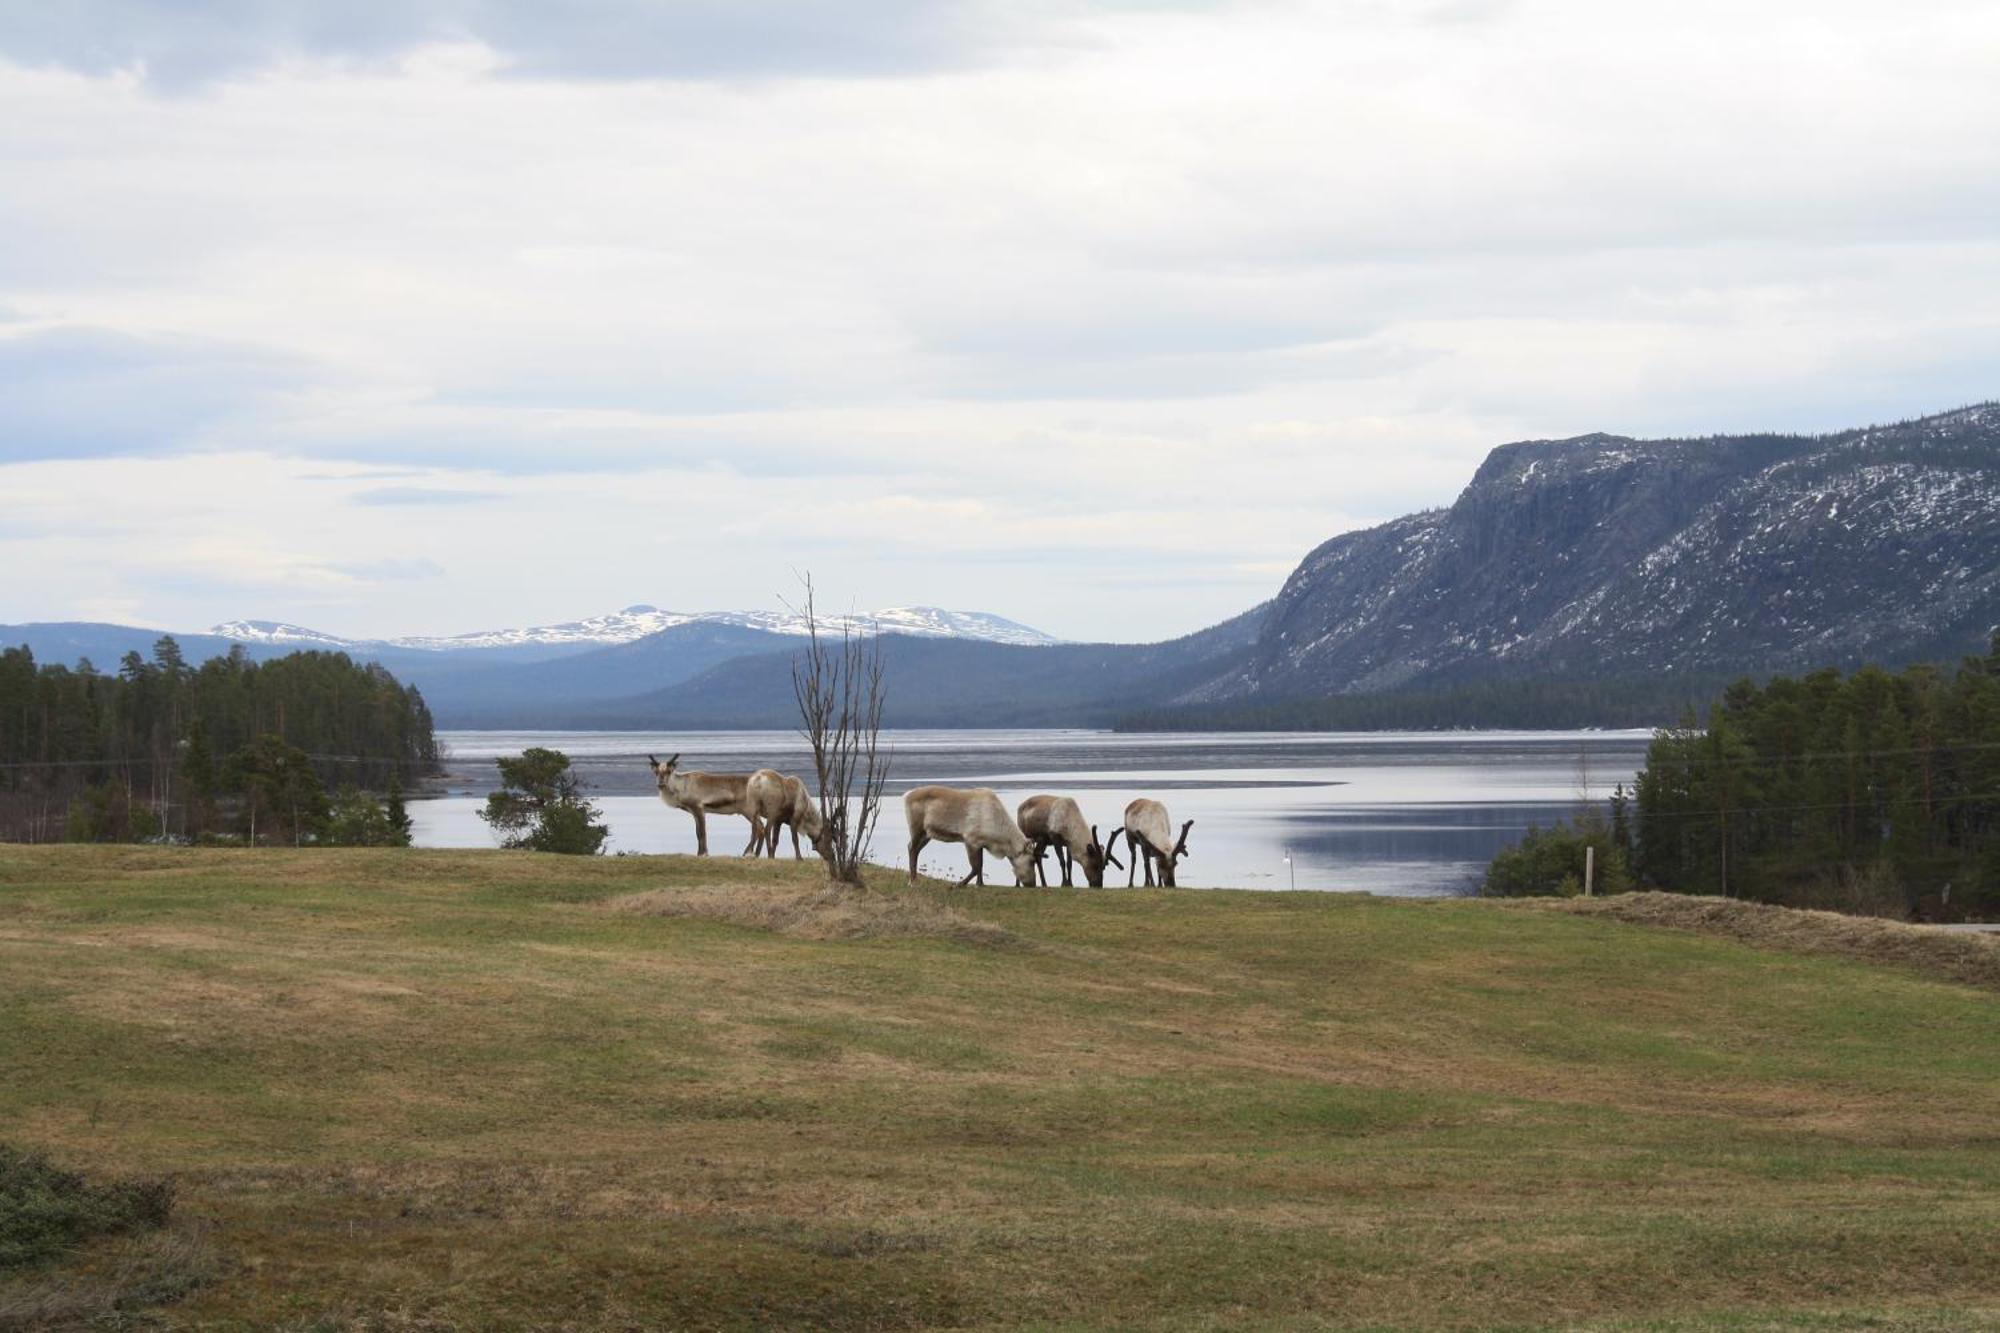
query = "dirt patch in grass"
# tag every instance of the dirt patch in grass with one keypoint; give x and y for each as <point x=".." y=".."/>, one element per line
<point x="1970" y="959"/>
<point x="818" y="912"/>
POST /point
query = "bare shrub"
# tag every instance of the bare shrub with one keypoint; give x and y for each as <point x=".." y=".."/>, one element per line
<point x="840" y="695"/>
<point x="154" y="1269"/>
<point x="46" y="1209"/>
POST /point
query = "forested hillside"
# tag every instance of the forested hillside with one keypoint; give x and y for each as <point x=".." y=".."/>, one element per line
<point x="159" y="733"/>
<point x="1872" y="792"/>
<point x="1604" y="558"/>
<point x="1640" y="701"/>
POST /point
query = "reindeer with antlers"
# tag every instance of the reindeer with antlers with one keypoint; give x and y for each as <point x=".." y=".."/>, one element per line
<point x="975" y="817"/>
<point x="1058" y="822"/>
<point x="1150" y="835"/>
<point x="705" y="794"/>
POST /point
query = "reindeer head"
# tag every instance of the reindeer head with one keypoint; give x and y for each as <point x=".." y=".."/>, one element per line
<point x="1024" y="862"/>
<point x="663" y="773"/>
<point x="1096" y="854"/>
<point x="1167" y="861"/>
<point x="812" y="823"/>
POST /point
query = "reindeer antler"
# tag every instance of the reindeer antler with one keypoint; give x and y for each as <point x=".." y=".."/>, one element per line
<point x="1180" y="848"/>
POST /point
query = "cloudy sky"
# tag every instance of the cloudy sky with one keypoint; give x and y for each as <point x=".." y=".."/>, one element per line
<point x="389" y="316"/>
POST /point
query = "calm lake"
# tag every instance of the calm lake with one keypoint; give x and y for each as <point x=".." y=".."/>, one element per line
<point x="1406" y="813"/>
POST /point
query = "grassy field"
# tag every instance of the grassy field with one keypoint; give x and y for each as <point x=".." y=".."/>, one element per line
<point x="415" y="1090"/>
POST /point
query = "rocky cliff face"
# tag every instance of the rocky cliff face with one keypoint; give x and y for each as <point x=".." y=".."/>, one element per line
<point x="1602" y="556"/>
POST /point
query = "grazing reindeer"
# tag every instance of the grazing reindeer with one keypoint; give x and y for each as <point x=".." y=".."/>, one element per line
<point x="705" y="794"/>
<point x="973" y="816"/>
<point x="1056" y="821"/>
<point x="1150" y="833"/>
<point x="781" y="801"/>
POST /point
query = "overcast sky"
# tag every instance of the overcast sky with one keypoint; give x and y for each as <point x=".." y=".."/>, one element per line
<point x="388" y="316"/>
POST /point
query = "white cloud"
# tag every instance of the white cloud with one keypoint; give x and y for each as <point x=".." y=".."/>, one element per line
<point x="1093" y="315"/>
<point x="187" y="45"/>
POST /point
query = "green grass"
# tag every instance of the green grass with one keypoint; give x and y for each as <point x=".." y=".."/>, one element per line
<point x="445" y="1090"/>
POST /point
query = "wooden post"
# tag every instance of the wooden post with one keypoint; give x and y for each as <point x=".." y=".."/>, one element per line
<point x="1589" y="867"/>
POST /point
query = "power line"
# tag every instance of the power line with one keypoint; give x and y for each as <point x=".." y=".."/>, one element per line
<point x="1860" y="806"/>
<point x="1781" y="760"/>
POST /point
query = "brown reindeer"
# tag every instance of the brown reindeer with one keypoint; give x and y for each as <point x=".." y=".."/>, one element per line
<point x="973" y="816"/>
<point x="1057" y="821"/>
<point x="1150" y="834"/>
<point x="705" y="794"/>
<point x="782" y="801"/>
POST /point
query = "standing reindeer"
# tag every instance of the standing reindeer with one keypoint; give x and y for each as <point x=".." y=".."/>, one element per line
<point x="973" y="816"/>
<point x="1149" y="833"/>
<point x="1057" y="821"/>
<point x="782" y="801"/>
<point x="705" y="794"/>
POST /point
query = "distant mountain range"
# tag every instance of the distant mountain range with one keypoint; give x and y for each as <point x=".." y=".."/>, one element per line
<point x="1662" y="565"/>
<point x="638" y="622"/>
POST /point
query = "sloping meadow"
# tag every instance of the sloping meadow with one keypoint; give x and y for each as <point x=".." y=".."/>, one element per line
<point x="499" y="1090"/>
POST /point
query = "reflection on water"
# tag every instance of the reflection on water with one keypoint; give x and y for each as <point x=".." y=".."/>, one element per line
<point x="1408" y="813"/>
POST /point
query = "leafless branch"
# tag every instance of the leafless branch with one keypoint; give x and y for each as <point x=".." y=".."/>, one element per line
<point x="839" y="688"/>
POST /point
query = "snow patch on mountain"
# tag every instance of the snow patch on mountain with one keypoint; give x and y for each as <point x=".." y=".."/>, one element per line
<point x="1606" y="556"/>
<point x="279" y="633"/>
<point x="637" y="622"/>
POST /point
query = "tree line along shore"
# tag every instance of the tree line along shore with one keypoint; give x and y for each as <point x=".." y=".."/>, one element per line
<point x="1867" y="791"/>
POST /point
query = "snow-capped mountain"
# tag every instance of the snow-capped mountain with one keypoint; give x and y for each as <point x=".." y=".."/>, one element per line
<point x="278" y="633"/>
<point x="634" y="622"/>
<point x="637" y="622"/>
<point x="1601" y="557"/>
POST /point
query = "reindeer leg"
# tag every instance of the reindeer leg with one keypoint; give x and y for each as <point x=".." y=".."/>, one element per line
<point x="756" y="843"/>
<point x="916" y="845"/>
<point x="796" y="856"/>
<point x="1137" y="850"/>
<point x="700" y="832"/>
<point x="978" y="859"/>
<point x="1063" y="856"/>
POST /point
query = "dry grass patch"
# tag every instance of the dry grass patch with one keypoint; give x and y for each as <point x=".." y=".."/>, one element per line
<point x="113" y="1288"/>
<point x="1971" y="959"/>
<point x="818" y="912"/>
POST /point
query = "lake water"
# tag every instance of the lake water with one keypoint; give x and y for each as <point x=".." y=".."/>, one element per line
<point x="1405" y="813"/>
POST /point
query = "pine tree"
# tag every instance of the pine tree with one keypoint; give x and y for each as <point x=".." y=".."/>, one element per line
<point x="399" y="815"/>
<point x="283" y="798"/>
<point x="198" y="778"/>
<point x="357" y="819"/>
<point x="540" y="806"/>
